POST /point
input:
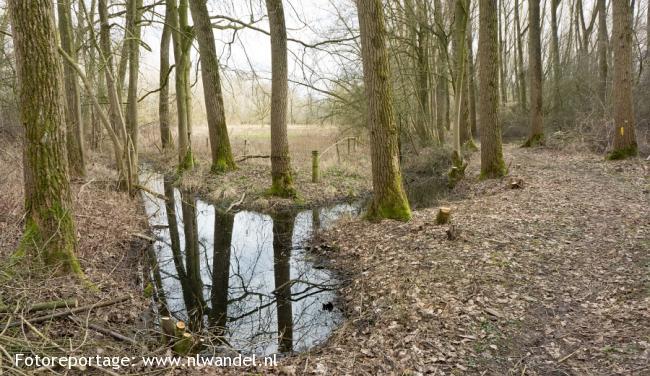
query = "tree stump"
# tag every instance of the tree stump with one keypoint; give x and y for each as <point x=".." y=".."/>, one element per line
<point x="444" y="215"/>
<point x="516" y="183"/>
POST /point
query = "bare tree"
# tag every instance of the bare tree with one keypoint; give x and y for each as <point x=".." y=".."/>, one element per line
<point x="50" y="227"/>
<point x="389" y="199"/>
<point x="492" y="164"/>
<point x="163" y="97"/>
<point x="74" y="137"/>
<point x="282" y="180"/>
<point x="624" y="138"/>
<point x="535" y="74"/>
<point x="222" y="159"/>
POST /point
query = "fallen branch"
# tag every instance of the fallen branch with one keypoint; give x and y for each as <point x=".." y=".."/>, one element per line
<point x="73" y="311"/>
<point x="106" y="331"/>
<point x="245" y="157"/>
<point x="236" y="203"/>
<point x="44" y="306"/>
<point x="145" y="237"/>
<point x="155" y="194"/>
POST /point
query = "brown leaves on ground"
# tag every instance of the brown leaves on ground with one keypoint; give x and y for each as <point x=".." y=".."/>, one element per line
<point x="548" y="279"/>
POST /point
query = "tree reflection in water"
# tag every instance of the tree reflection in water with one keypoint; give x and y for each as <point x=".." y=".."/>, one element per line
<point x="243" y="278"/>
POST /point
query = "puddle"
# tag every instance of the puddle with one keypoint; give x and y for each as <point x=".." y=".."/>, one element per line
<point x="244" y="278"/>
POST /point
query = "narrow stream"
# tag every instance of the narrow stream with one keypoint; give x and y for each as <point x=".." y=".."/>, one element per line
<point x="242" y="278"/>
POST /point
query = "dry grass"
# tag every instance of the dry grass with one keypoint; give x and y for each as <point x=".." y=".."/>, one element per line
<point x="343" y="175"/>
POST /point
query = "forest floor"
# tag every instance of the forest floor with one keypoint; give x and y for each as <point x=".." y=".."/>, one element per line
<point x="109" y="252"/>
<point x="549" y="279"/>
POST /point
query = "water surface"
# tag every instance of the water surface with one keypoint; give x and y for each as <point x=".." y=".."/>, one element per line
<point x="243" y="280"/>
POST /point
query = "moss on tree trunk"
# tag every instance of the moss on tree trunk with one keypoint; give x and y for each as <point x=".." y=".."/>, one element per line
<point x="50" y="228"/>
<point x="282" y="181"/>
<point x="389" y="199"/>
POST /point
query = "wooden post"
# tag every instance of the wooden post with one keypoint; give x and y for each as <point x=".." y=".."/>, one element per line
<point x="338" y="154"/>
<point x="349" y="139"/>
<point x="245" y="147"/>
<point x="314" y="166"/>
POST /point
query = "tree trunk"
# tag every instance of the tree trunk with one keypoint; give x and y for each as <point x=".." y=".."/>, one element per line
<point x="50" y="227"/>
<point x="133" y="32"/>
<point x="389" y="199"/>
<point x="624" y="142"/>
<point x="535" y="75"/>
<point x="602" y="51"/>
<point x="163" y="98"/>
<point x="492" y="164"/>
<point x="520" y="60"/>
<point x="417" y="16"/>
<point x="282" y="181"/>
<point x="555" y="55"/>
<point x="182" y="41"/>
<point x="222" y="159"/>
<point x="442" y="83"/>
<point x="471" y="72"/>
<point x="114" y="106"/>
<point x="74" y="134"/>
<point x="459" y="44"/>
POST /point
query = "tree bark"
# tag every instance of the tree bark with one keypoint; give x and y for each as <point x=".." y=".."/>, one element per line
<point x="182" y="40"/>
<point x="50" y="227"/>
<point x="222" y="159"/>
<point x="535" y="75"/>
<point x="624" y="142"/>
<point x="603" y="39"/>
<point x="133" y="33"/>
<point x="555" y="55"/>
<point x="471" y="72"/>
<point x="492" y="164"/>
<point x="520" y="60"/>
<point x="389" y="199"/>
<point x="282" y="180"/>
<point x="114" y="106"/>
<point x="442" y="83"/>
<point x="163" y="97"/>
<point x="74" y="134"/>
<point x="459" y="45"/>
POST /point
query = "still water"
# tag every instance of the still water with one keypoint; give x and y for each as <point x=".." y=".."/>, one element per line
<point x="243" y="278"/>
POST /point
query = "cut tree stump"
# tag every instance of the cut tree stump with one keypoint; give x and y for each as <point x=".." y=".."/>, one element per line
<point x="168" y="329"/>
<point x="453" y="233"/>
<point x="516" y="183"/>
<point x="444" y="215"/>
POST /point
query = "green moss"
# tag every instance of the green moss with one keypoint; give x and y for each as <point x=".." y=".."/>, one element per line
<point x="282" y="186"/>
<point x="188" y="162"/>
<point x="534" y="140"/>
<point x="392" y="206"/>
<point x="148" y="290"/>
<point x="470" y="145"/>
<point x="222" y="165"/>
<point x="627" y="152"/>
<point x="497" y="170"/>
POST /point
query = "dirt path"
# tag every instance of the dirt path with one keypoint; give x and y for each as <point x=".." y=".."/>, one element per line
<point x="551" y="279"/>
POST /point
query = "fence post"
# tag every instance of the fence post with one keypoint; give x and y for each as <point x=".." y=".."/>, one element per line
<point x="338" y="154"/>
<point x="314" y="166"/>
